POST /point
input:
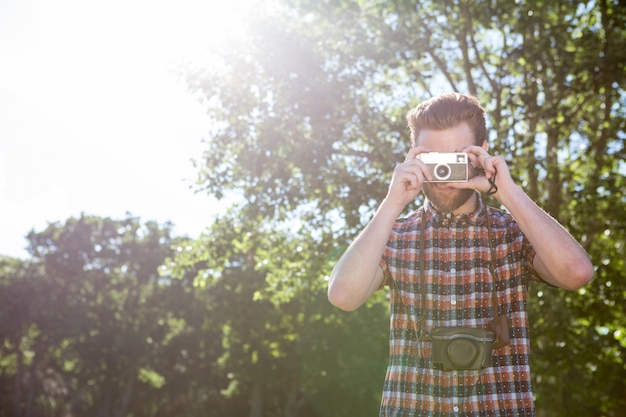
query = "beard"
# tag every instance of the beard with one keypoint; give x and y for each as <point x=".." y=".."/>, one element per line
<point x="446" y="202"/>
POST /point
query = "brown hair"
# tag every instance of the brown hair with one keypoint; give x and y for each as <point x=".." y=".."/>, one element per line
<point x="446" y="111"/>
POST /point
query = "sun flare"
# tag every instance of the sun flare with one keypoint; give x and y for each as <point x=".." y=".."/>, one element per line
<point x="94" y="106"/>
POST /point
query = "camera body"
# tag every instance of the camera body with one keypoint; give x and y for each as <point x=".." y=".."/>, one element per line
<point x="446" y="166"/>
<point x="461" y="348"/>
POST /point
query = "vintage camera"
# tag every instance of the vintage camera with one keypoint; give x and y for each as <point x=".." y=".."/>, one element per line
<point x="461" y="348"/>
<point x="446" y="167"/>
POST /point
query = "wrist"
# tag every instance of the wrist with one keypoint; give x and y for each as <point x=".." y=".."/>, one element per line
<point x="507" y="196"/>
<point x="390" y="208"/>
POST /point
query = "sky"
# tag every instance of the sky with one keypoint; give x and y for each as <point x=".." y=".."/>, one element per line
<point x="94" y="120"/>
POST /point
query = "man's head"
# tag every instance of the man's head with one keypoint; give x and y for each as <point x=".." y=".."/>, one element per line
<point x="448" y="123"/>
<point x="446" y="111"/>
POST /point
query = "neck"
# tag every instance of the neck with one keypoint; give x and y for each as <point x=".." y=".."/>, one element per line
<point x="470" y="205"/>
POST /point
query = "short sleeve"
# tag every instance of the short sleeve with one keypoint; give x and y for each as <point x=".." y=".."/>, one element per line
<point x="386" y="274"/>
<point x="530" y="259"/>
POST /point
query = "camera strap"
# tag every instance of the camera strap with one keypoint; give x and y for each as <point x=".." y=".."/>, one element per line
<point x="499" y="325"/>
<point x="500" y="322"/>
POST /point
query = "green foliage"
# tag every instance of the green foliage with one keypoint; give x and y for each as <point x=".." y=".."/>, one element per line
<point x="316" y="117"/>
<point x="90" y="326"/>
<point x="282" y="341"/>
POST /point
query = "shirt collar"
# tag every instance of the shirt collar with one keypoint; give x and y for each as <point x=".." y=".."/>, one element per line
<point x="439" y="219"/>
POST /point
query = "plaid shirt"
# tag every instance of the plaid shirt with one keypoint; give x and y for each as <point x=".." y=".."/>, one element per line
<point x="459" y="290"/>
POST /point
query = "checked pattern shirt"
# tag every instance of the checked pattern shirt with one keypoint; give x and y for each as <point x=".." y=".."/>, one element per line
<point x="459" y="289"/>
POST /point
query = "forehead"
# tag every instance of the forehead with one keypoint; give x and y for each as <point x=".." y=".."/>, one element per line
<point x="447" y="140"/>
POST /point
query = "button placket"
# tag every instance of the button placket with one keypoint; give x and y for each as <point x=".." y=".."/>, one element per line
<point x="453" y="285"/>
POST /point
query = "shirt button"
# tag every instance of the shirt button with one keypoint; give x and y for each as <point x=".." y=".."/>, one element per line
<point x="456" y="408"/>
<point x="453" y="302"/>
<point x="453" y="271"/>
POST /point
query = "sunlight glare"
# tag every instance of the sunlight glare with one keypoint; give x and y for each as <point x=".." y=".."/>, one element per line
<point x="103" y="54"/>
<point x="95" y="119"/>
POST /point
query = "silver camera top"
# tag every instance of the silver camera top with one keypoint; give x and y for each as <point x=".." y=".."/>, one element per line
<point x="446" y="166"/>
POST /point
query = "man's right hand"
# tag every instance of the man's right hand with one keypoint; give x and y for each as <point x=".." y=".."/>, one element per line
<point x="357" y="274"/>
<point x="408" y="178"/>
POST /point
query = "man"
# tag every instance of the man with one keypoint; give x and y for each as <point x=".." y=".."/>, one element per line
<point x="457" y="264"/>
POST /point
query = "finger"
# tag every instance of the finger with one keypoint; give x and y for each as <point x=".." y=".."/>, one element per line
<point x="484" y="163"/>
<point x="413" y="152"/>
<point x="415" y="165"/>
<point x="411" y="175"/>
<point x="421" y="170"/>
<point x="416" y="182"/>
<point x="482" y="159"/>
<point x="475" y="155"/>
<point x="490" y="165"/>
<point x="473" y="150"/>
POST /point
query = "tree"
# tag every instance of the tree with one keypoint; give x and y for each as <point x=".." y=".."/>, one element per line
<point x="310" y="113"/>
<point x="90" y="327"/>
<point x="281" y="339"/>
<point x="17" y="286"/>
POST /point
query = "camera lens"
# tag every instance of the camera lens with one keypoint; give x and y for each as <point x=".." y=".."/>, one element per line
<point x="463" y="353"/>
<point x="442" y="172"/>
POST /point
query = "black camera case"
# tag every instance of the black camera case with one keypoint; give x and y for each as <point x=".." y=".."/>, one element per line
<point x="461" y="348"/>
